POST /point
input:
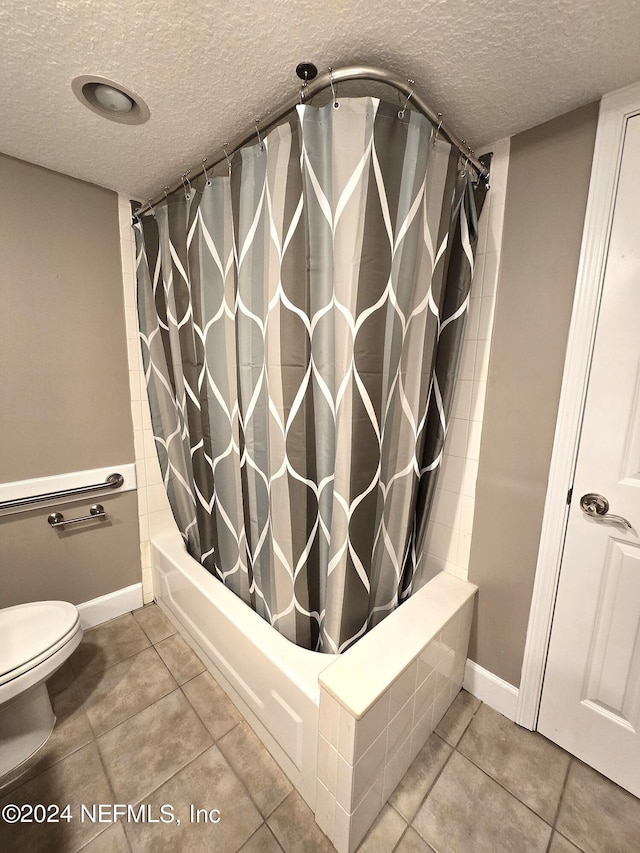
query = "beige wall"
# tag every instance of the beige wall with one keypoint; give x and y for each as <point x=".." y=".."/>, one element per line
<point x="546" y="197"/>
<point x="64" y="380"/>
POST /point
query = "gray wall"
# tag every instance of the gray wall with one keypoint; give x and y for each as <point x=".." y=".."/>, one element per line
<point x="547" y="188"/>
<point x="64" y="381"/>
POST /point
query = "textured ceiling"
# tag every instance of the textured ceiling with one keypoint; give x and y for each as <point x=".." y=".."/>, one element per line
<point x="207" y="68"/>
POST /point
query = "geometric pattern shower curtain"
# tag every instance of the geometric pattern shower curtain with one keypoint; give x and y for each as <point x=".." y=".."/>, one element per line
<point x="301" y="322"/>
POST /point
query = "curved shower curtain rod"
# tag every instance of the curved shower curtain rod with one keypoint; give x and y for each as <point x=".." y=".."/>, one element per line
<point x="328" y="80"/>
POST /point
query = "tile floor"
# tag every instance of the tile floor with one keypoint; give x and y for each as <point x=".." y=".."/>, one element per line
<point x="140" y="721"/>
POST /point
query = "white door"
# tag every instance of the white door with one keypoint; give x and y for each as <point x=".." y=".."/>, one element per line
<point x="591" y="693"/>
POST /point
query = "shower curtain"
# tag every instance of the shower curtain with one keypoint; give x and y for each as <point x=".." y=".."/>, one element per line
<point x="301" y="321"/>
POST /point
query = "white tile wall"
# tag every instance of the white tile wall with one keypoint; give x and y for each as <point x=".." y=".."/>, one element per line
<point x="362" y="759"/>
<point x="153" y="508"/>
<point x="448" y="540"/>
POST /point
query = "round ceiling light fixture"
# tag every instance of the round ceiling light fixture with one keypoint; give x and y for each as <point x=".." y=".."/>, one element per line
<point x="110" y="100"/>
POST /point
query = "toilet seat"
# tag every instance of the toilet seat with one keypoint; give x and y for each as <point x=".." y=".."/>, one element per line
<point x="31" y="633"/>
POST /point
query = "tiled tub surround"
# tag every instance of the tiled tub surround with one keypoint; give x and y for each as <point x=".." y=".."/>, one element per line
<point x="343" y="728"/>
<point x="382" y="699"/>
<point x="448" y="540"/>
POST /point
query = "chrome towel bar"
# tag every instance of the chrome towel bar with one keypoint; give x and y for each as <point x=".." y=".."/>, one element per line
<point x="113" y="481"/>
<point x="57" y="519"/>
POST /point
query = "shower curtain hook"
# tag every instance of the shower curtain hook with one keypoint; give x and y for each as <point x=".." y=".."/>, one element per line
<point x="435" y="135"/>
<point x="224" y="148"/>
<point x="465" y="155"/>
<point x="151" y="208"/>
<point x="336" y="103"/>
<point x="166" y="193"/>
<point x="186" y="183"/>
<point x="257" y="121"/>
<point x="404" y="108"/>
<point x="468" y="164"/>
<point x="204" y="169"/>
<point x="305" y="83"/>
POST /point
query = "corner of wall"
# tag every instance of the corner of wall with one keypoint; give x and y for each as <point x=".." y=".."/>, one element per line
<point x="448" y="540"/>
<point x="153" y="508"/>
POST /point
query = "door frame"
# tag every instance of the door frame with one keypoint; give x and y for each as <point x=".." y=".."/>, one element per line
<point x="615" y="109"/>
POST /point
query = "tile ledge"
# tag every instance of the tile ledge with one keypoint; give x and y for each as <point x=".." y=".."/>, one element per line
<point x="360" y="676"/>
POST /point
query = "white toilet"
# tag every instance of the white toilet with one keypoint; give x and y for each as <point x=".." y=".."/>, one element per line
<point x="35" y="640"/>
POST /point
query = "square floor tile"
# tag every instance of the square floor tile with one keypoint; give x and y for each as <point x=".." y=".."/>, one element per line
<point x="597" y="815"/>
<point x="384" y="833"/>
<point x="294" y="826"/>
<point x="206" y="789"/>
<point x="180" y="658"/>
<point x="77" y="779"/>
<point x="112" y="840"/>
<point x="212" y="704"/>
<point x="467" y="811"/>
<point x="147" y="749"/>
<point x="265" y="781"/>
<point x="524" y="762"/>
<point x="452" y="726"/>
<point x="119" y="692"/>
<point x="412" y="843"/>
<point x="262" y="841"/>
<point x="413" y="788"/>
<point x="108" y="644"/>
<point x="154" y="623"/>
<point x="559" y="844"/>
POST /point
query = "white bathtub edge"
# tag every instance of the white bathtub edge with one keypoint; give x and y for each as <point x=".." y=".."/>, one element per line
<point x="273" y="683"/>
<point x="305" y="783"/>
<point x="170" y="544"/>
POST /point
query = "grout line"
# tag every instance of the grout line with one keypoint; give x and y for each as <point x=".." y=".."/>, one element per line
<point x="471" y="719"/>
<point x="111" y="788"/>
<point x="406" y="825"/>
<point x="557" y="815"/>
<point x="564" y="787"/>
<point x="104" y="669"/>
<point x="131" y="657"/>
<point x="106" y="829"/>
<point x="105" y="772"/>
<point x="196" y="712"/>
<point x="269" y="830"/>
<point x="265" y="818"/>
<point x="402" y="835"/>
<point x="146" y="796"/>
<point x="215" y="742"/>
<point x="430" y="789"/>
<point x="504" y="788"/>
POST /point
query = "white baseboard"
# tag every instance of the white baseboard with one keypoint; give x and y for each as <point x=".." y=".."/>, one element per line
<point x="493" y="691"/>
<point x="106" y="607"/>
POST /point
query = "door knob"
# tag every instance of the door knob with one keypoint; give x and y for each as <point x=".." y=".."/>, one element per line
<point x="597" y="506"/>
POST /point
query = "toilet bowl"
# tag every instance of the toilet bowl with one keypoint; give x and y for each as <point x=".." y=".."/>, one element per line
<point x="35" y="640"/>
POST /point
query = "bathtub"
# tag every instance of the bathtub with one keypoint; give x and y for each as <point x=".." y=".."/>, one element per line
<point x="344" y="728"/>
